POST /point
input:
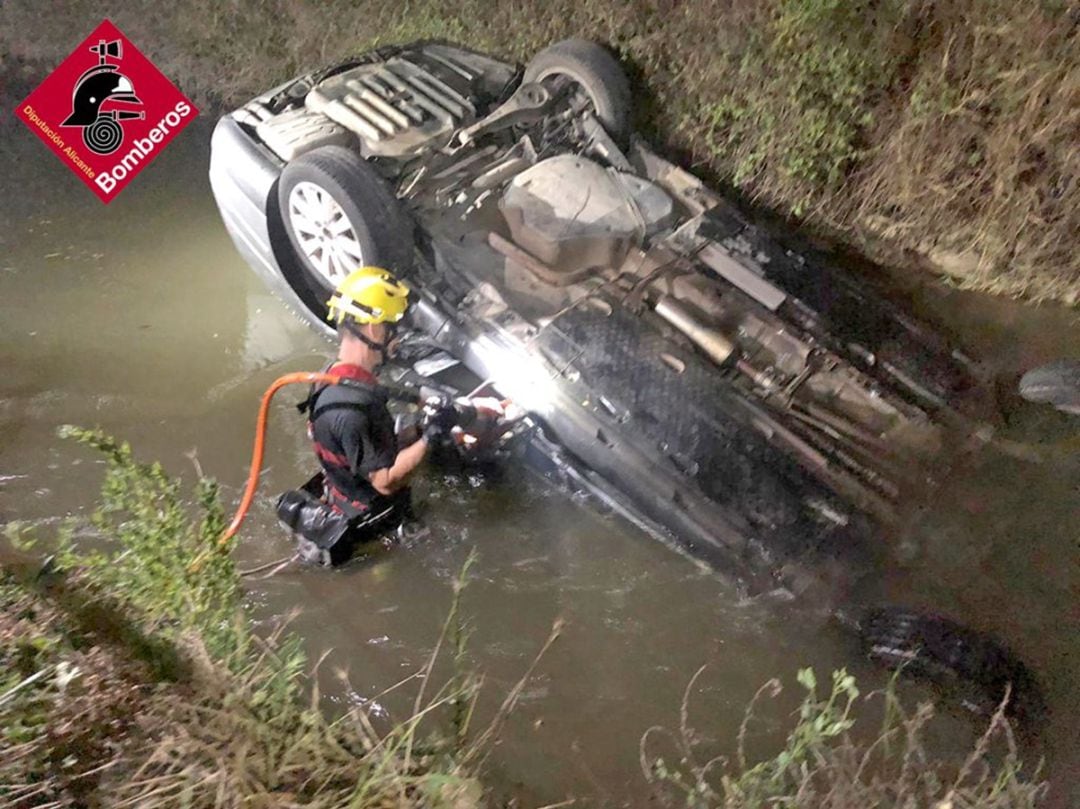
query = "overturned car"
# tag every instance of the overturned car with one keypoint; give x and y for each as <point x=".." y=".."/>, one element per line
<point x="760" y="409"/>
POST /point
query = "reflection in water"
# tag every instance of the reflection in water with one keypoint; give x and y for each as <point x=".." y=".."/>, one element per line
<point x="140" y="317"/>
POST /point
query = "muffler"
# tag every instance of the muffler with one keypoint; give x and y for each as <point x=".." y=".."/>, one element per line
<point x="712" y="341"/>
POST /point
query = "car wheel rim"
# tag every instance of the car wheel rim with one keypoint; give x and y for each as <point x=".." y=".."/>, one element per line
<point x="579" y="94"/>
<point x="324" y="233"/>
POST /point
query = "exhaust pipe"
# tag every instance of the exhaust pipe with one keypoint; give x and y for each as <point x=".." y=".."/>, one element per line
<point x="713" y="342"/>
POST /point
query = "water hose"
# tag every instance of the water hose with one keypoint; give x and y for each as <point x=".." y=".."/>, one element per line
<point x="298" y="378"/>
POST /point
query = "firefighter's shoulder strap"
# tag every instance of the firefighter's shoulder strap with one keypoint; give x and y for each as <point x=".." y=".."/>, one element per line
<point x="313" y="391"/>
<point x="366" y="395"/>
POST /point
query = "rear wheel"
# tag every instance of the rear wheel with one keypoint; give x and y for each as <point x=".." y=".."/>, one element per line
<point x="970" y="664"/>
<point x="341" y="215"/>
<point x="595" y="73"/>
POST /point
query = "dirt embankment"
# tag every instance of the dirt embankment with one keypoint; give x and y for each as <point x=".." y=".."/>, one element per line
<point x="942" y="134"/>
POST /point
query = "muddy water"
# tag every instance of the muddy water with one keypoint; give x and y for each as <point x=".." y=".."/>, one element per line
<point x="140" y="317"/>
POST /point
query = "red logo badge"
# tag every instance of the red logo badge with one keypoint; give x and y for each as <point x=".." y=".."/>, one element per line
<point x="106" y="111"/>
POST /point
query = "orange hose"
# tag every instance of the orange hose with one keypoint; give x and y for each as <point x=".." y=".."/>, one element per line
<point x="300" y="377"/>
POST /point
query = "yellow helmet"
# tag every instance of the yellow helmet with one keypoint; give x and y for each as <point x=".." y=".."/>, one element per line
<point x="369" y="295"/>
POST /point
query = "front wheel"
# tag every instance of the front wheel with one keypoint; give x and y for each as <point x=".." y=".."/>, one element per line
<point x="341" y="215"/>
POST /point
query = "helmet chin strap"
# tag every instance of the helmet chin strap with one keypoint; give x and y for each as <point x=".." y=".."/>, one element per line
<point x="356" y="331"/>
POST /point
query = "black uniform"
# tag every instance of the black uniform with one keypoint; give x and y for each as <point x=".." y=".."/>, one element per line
<point x="353" y="434"/>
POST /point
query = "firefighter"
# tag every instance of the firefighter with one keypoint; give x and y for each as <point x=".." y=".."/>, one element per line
<point x="350" y="426"/>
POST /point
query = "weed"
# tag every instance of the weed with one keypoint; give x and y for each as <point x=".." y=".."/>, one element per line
<point x="792" y="119"/>
<point x="142" y="512"/>
<point x="822" y="764"/>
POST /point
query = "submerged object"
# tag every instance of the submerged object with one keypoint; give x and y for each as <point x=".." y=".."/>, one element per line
<point x="971" y="664"/>
<point x="1057" y="383"/>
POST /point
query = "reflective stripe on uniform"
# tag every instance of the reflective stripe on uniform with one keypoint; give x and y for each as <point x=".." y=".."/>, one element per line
<point x="336" y="493"/>
<point x="331" y="457"/>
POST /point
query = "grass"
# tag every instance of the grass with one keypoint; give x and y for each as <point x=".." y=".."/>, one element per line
<point x="918" y="132"/>
<point x="62" y="703"/>
<point x="135" y="680"/>
<point x="801" y="97"/>
<point x="824" y="765"/>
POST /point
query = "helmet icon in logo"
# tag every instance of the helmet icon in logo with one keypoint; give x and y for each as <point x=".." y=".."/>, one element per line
<point x="102" y="130"/>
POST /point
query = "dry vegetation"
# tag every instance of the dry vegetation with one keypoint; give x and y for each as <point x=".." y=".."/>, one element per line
<point x="89" y="720"/>
<point x="913" y="130"/>
<point x="823" y="765"/>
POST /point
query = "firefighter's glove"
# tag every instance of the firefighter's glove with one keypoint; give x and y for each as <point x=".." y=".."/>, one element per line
<point x="440" y="417"/>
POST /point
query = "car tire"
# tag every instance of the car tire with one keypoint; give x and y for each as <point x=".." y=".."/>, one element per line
<point x="964" y="662"/>
<point x="340" y="214"/>
<point x="597" y="72"/>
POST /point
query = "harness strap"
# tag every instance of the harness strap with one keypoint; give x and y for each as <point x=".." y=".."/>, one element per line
<point x="313" y="391"/>
<point x="357" y="406"/>
<point x="332" y="458"/>
<point x="337" y="499"/>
